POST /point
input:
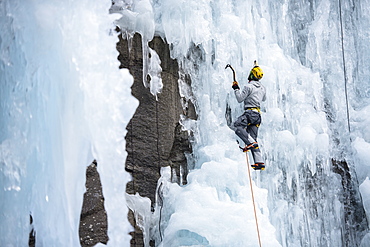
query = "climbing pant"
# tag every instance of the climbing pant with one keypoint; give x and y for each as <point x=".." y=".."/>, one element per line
<point x="246" y="127"/>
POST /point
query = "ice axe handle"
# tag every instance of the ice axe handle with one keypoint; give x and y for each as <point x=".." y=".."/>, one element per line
<point x="229" y="66"/>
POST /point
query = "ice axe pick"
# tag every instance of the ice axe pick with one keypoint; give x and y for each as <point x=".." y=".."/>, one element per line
<point x="229" y="66"/>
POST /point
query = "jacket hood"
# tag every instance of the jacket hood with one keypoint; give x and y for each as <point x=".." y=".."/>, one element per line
<point x="256" y="83"/>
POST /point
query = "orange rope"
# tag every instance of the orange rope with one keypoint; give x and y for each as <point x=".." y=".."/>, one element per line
<point x="254" y="206"/>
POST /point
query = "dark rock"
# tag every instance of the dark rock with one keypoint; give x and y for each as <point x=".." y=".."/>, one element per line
<point x="154" y="138"/>
<point x="32" y="235"/>
<point x="354" y="213"/>
<point x="93" y="221"/>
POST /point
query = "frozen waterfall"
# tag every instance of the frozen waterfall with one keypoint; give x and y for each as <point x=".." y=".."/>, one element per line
<point x="64" y="102"/>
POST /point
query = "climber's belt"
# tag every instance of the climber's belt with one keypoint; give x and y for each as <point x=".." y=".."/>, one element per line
<point x="256" y="109"/>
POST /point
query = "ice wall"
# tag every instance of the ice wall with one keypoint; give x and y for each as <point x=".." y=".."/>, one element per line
<point x="64" y="102"/>
<point x="313" y="53"/>
<point x="330" y="37"/>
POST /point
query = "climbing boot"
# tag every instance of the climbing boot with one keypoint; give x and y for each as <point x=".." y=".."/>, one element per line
<point x="253" y="145"/>
<point x="258" y="166"/>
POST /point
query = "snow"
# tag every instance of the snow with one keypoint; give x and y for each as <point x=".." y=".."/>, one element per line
<point x="60" y="84"/>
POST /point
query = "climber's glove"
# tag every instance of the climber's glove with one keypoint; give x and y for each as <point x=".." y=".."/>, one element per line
<point x="235" y="85"/>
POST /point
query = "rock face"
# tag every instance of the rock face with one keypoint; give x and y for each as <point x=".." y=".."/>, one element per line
<point x="93" y="220"/>
<point x="154" y="137"/>
<point x="154" y="140"/>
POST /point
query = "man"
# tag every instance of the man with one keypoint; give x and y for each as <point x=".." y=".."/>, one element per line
<point x="246" y="126"/>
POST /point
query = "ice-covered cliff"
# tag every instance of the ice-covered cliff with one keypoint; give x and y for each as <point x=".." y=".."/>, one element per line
<point x="64" y="102"/>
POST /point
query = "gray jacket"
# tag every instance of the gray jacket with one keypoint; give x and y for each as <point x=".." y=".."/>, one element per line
<point x="252" y="94"/>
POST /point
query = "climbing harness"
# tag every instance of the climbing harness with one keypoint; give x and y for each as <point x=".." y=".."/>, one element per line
<point x="254" y="205"/>
<point x="254" y="109"/>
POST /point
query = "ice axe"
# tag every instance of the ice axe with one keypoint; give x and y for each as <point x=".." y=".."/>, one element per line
<point x="229" y="66"/>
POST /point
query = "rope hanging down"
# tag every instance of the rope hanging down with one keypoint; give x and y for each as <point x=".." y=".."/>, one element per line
<point x="254" y="205"/>
<point x="344" y="64"/>
<point x="160" y="211"/>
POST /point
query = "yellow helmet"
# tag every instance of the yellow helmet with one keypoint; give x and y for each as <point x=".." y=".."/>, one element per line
<point x="256" y="72"/>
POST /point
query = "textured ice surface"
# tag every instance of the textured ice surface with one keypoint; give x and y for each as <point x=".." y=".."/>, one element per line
<point x="63" y="102"/>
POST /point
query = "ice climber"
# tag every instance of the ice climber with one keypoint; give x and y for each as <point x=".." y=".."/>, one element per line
<point x="246" y="126"/>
